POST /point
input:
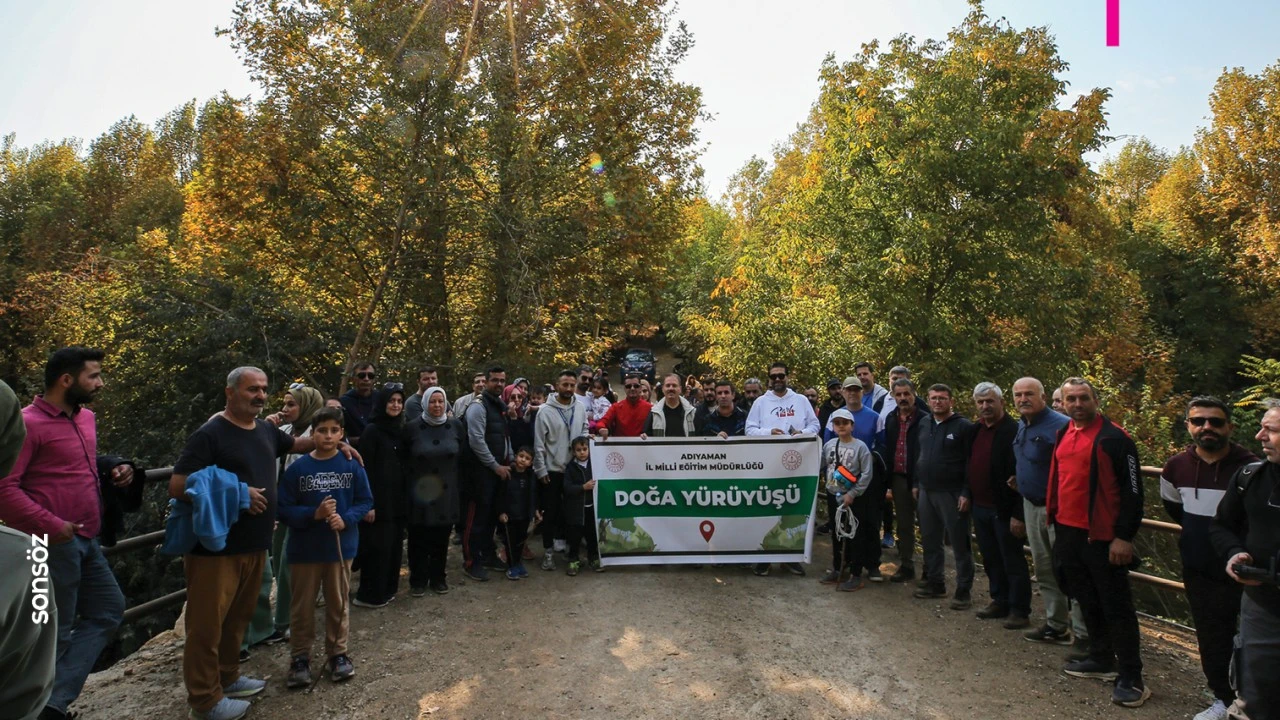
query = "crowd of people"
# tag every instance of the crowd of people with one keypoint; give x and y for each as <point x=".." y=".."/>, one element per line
<point x="299" y="499"/>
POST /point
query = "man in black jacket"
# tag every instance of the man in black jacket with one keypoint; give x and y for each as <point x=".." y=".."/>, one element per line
<point x="943" y="498"/>
<point x="1246" y="531"/>
<point x="490" y="451"/>
<point x="901" y="446"/>
<point x="991" y="476"/>
<point x="1192" y="484"/>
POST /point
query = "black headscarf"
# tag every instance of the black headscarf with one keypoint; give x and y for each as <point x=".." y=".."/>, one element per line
<point x="379" y="415"/>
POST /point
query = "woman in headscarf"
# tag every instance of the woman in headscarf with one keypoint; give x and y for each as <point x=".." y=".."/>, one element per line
<point x="430" y="451"/>
<point x="300" y="405"/>
<point x="382" y="531"/>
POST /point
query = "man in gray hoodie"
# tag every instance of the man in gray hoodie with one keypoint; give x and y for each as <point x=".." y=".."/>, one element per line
<point x="560" y="419"/>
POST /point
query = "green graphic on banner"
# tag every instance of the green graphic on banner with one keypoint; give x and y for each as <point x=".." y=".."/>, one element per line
<point x="692" y="500"/>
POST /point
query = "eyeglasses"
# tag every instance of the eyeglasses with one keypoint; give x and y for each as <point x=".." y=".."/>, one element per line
<point x="393" y="387"/>
<point x="777" y="376"/>
<point x="632" y="386"/>
<point x="366" y="375"/>
<point x="1216" y="422"/>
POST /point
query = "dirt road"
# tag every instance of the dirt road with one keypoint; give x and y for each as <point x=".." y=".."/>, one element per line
<point x="672" y="642"/>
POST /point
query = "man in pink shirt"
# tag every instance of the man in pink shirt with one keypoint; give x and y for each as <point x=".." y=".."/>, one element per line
<point x="53" y="492"/>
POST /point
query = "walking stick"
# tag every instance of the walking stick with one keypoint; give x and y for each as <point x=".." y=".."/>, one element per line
<point x="506" y="534"/>
<point x="345" y="589"/>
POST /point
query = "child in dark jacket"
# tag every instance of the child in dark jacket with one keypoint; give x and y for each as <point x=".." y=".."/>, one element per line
<point x="322" y="498"/>
<point x="580" y="507"/>
<point x="517" y="503"/>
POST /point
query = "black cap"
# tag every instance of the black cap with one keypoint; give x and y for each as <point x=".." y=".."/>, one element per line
<point x="833" y="382"/>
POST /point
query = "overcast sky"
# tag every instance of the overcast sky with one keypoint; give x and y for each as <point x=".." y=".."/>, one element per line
<point x="71" y="68"/>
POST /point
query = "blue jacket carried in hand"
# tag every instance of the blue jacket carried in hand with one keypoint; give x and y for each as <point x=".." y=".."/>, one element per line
<point x="217" y="499"/>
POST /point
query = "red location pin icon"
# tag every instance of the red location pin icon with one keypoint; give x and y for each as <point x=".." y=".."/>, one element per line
<point x="707" y="528"/>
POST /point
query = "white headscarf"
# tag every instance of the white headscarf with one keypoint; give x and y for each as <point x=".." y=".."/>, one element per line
<point x="427" y="417"/>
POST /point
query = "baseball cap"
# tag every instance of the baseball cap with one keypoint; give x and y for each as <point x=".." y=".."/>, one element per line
<point x="841" y="414"/>
<point x="852" y="381"/>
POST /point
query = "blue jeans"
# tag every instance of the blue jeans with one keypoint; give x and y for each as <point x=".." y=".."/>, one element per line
<point x="90" y="607"/>
<point x="1003" y="561"/>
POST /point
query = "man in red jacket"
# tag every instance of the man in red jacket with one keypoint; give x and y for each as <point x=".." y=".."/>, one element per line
<point x="1095" y="506"/>
<point x="626" y="418"/>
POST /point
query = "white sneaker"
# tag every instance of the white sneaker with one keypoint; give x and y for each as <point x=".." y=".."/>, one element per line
<point x="244" y="687"/>
<point x="226" y="709"/>
<point x="1216" y="711"/>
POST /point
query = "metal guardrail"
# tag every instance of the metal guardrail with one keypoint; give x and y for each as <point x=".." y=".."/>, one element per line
<point x="153" y="539"/>
<point x="142" y="542"/>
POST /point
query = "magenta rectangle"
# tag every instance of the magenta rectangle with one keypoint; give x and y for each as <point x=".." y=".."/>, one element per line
<point x="1113" y="23"/>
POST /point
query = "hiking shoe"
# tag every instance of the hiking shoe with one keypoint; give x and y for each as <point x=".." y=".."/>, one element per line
<point x="1046" y="634"/>
<point x="1016" y="621"/>
<point x="930" y="591"/>
<point x="244" y="687"/>
<point x="438" y="587"/>
<point x="961" y="600"/>
<point x="1079" y="650"/>
<point x="873" y="574"/>
<point x="299" y="673"/>
<point x="794" y="569"/>
<point x="761" y="569"/>
<point x="1216" y="711"/>
<point x="226" y="709"/>
<point x="853" y="584"/>
<point x="992" y="611"/>
<point x="513" y="574"/>
<point x="477" y="573"/>
<point x="278" y="636"/>
<point x="366" y="604"/>
<point x="1132" y="693"/>
<point x="1092" y="669"/>
<point x="418" y="591"/>
<point x="887" y="542"/>
<point x="245" y="655"/>
<point x="573" y="568"/>
<point x="549" y="560"/>
<point x="904" y="574"/>
<point x="830" y="577"/>
<point x="340" y="668"/>
<point x="596" y="566"/>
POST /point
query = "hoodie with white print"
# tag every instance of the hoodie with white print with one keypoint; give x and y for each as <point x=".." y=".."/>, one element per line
<point x="792" y="411"/>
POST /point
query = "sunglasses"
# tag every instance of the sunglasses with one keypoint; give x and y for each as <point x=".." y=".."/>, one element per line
<point x="393" y="387"/>
<point x="366" y="375"/>
<point x="297" y="386"/>
<point x="778" y="376"/>
<point x="1216" y="422"/>
<point x="632" y="386"/>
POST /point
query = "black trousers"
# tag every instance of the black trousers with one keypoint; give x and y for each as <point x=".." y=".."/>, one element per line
<point x="1215" y="608"/>
<point x="1102" y="589"/>
<point x="866" y="543"/>
<point x="517" y="536"/>
<point x="576" y="534"/>
<point x="549" y="502"/>
<point x="477" y="541"/>
<point x="380" y="554"/>
<point x="428" y="551"/>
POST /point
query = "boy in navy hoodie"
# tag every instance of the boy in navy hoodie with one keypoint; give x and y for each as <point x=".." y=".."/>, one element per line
<point x="580" y="507"/>
<point x="321" y="499"/>
<point x="517" y="504"/>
